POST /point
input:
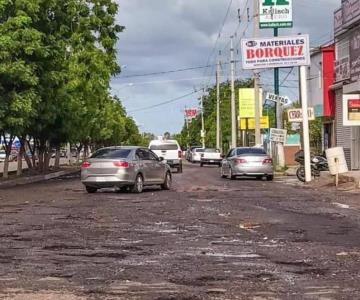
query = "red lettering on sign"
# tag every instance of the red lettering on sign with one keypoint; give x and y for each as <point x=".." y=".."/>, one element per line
<point x="354" y="103"/>
<point x="250" y="54"/>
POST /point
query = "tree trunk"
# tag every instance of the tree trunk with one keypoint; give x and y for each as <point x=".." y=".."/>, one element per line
<point x="19" y="162"/>
<point x="57" y="157"/>
<point x="41" y="160"/>
<point x="78" y="150"/>
<point x="6" y="167"/>
<point x="47" y="156"/>
<point x="23" y="148"/>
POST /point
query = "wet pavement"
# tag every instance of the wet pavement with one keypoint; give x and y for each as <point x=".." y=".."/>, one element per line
<point x="207" y="238"/>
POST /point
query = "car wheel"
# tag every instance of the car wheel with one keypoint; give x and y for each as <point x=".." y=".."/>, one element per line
<point x="270" y="177"/>
<point x="138" y="187"/>
<point x="231" y="176"/>
<point x="168" y="181"/>
<point x="91" y="189"/>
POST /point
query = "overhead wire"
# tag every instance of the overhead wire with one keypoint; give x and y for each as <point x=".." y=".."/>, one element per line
<point x="163" y="103"/>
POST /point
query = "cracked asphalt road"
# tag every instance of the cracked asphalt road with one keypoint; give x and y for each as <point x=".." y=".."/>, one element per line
<point x="207" y="238"/>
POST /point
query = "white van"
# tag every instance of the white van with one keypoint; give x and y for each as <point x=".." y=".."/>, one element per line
<point x="170" y="150"/>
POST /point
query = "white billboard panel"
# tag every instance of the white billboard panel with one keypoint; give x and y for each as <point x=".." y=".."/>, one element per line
<point x="275" y="52"/>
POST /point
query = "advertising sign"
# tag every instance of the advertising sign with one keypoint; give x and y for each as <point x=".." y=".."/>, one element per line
<point x="351" y="110"/>
<point x="276" y="13"/>
<point x="338" y="20"/>
<point x="275" y="52"/>
<point x="250" y="123"/>
<point x="342" y="69"/>
<point x="350" y="11"/>
<point x="355" y="56"/>
<point x="295" y="115"/>
<point x="191" y="113"/>
<point x="247" y="102"/>
<point x="278" y="135"/>
<point x="277" y="98"/>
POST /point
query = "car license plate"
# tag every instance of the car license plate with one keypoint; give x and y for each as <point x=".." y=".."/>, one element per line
<point x="211" y="160"/>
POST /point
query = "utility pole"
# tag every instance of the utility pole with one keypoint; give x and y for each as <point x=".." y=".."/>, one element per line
<point x="233" y="105"/>
<point x="305" y="123"/>
<point x="256" y="78"/>
<point x="202" y="121"/>
<point x="218" y="143"/>
<point x="277" y="90"/>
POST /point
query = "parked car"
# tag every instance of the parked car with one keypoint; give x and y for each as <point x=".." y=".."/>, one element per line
<point x="211" y="156"/>
<point x="170" y="151"/>
<point x="247" y="162"/>
<point x="126" y="168"/>
<point x="2" y="155"/>
<point x="196" y="155"/>
<point x="188" y="152"/>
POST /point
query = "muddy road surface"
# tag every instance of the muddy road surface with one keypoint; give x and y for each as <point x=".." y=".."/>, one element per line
<point x="207" y="238"/>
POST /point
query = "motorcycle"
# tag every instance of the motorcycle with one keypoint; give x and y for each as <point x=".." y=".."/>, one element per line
<point x="318" y="164"/>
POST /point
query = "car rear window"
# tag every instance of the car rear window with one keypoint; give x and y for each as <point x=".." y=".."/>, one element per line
<point x="199" y="150"/>
<point x="111" y="153"/>
<point x="164" y="147"/>
<point x="255" y="151"/>
<point x="211" y="150"/>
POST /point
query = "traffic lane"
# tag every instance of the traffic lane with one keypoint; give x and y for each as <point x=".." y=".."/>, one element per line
<point x="208" y="237"/>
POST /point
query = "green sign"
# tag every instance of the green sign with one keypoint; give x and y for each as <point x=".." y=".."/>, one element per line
<point x="276" y="14"/>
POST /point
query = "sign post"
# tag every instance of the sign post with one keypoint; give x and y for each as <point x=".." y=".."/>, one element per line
<point x="305" y="123"/>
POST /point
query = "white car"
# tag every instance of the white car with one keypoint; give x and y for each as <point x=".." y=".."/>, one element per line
<point x="196" y="155"/>
<point x="211" y="156"/>
<point x="2" y="155"/>
<point x="170" y="151"/>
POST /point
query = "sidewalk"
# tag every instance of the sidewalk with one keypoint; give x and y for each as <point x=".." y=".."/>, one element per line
<point x="350" y="178"/>
<point x="27" y="179"/>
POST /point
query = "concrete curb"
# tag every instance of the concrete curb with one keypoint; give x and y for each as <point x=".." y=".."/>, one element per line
<point x="344" y="178"/>
<point x="36" y="178"/>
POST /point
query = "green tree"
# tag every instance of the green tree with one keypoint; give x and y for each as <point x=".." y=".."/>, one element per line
<point x="21" y="46"/>
<point x="190" y="135"/>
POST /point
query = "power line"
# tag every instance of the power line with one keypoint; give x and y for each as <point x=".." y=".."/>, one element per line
<point x="163" y="103"/>
<point x="164" y="72"/>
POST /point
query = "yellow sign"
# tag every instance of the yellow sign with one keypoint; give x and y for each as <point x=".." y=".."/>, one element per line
<point x="264" y="123"/>
<point x="247" y="103"/>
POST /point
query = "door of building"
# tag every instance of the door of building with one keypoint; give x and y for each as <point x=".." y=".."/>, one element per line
<point x="355" y="148"/>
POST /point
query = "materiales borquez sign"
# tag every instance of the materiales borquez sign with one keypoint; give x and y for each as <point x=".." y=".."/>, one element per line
<point x="276" y="52"/>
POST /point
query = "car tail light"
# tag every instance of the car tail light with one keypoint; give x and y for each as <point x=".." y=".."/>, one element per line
<point x="267" y="161"/>
<point x="240" y="161"/>
<point x="85" y="165"/>
<point x="121" y="164"/>
<point x="179" y="154"/>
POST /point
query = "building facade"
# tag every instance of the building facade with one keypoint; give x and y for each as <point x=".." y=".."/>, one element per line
<point x="321" y="97"/>
<point x="347" y="80"/>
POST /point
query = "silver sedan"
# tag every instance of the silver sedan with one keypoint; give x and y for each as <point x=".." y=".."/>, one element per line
<point x="126" y="168"/>
<point x="245" y="161"/>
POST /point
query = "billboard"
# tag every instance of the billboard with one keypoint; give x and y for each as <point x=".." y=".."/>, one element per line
<point x="247" y="102"/>
<point x="351" y="110"/>
<point x="342" y="69"/>
<point x="295" y="114"/>
<point x="275" y="14"/>
<point x="350" y="12"/>
<point x="278" y="135"/>
<point x="250" y="123"/>
<point x="191" y="113"/>
<point x="275" y="52"/>
<point x="355" y="56"/>
<point x="338" y="20"/>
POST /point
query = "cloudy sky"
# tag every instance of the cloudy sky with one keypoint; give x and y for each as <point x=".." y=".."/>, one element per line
<point x="165" y="35"/>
